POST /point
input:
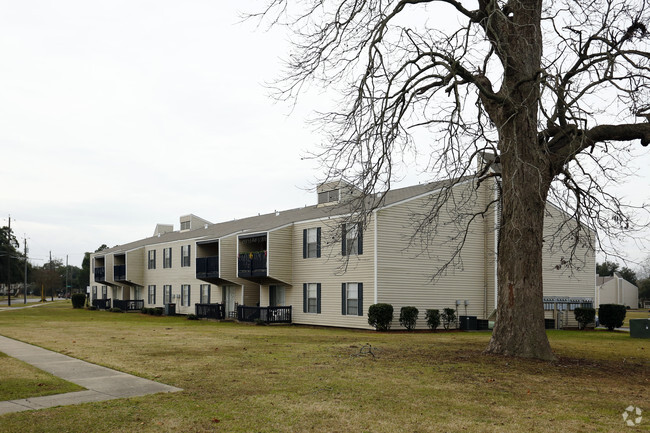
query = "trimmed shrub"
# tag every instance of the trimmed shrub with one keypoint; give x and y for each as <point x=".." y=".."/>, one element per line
<point x="91" y="308"/>
<point x="78" y="300"/>
<point x="433" y="319"/>
<point x="448" y="317"/>
<point x="611" y="315"/>
<point x="158" y="311"/>
<point x="192" y="317"/>
<point x="408" y="316"/>
<point x="380" y="316"/>
<point x="116" y="310"/>
<point x="584" y="316"/>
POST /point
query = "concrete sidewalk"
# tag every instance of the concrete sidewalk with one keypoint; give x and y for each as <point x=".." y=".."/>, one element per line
<point x="101" y="383"/>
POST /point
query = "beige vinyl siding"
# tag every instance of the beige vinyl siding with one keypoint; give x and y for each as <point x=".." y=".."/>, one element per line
<point x="577" y="282"/>
<point x="406" y="266"/>
<point x="330" y="271"/>
<point x="279" y="244"/>
<point x="228" y="259"/>
<point x="135" y="265"/>
<point x="251" y="294"/>
<point x="618" y="291"/>
<point x="109" y="262"/>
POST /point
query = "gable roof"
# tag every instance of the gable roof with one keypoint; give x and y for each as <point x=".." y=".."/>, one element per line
<point x="274" y="220"/>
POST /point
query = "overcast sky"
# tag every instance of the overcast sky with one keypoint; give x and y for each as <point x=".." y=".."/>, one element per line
<point x="118" y="115"/>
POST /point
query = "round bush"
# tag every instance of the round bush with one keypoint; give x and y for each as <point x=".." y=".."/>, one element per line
<point x="611" y="315"/>
<point x="380" y="316"/>
<point x="433" y="319"/>
<point x="408" y="316"/>
<point x="78" y="300"/>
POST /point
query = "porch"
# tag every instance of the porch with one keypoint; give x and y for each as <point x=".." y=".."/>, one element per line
<point x="129" y="304"/>
<point x="265" y="314"/>
<point x="102" y="304"/>
<point x="210" y="311"/>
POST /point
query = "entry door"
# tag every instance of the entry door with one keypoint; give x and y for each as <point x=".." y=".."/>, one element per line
<point x="276" y="296"/>
<point x="228" y="298"/>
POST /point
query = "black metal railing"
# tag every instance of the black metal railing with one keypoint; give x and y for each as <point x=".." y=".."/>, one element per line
<point x="102" y="304"/>
<point x="207" y="267"/>
<point x="129" y="304"/>
<point x="210" y="311"/>
<point x="100" y="273"/>
<point x="119" y="272"/>
<point x="265" y="314"/>
<point x="252" y="264"/>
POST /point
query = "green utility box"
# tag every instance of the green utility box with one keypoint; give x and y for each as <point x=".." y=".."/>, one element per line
<point x="640" y="328"/>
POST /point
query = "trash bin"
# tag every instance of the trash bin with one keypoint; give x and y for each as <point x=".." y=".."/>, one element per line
<point x="170" y="309"/>
<point x="467" y="323"/>
<point x="640" y="328"/>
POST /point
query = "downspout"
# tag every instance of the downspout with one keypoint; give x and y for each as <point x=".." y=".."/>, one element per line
<point x="374" y="223"/>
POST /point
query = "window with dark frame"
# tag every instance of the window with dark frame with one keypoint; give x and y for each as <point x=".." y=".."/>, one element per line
<point x="311" y="242"/>
<point x="185" y="295"/>
<point x="185" y="256"/>
<point x="352" y="241"/>
<point x="167" y="257"/>
<point x="311" y="298"/>
<point x="204" y="293"/>
<point x="151" y="298"/>
<point x="151" y="263"/>
<point x="352" y="299"/>
<point x="167" y="294"/>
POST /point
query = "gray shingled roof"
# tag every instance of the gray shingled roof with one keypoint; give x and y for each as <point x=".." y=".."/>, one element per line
<point x="271" y="221"/>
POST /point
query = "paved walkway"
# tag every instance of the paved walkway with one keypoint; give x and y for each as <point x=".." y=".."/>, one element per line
<point x="101" y="383"/>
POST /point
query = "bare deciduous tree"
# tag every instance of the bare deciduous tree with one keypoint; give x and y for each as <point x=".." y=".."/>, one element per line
<point x="552" y="88"/>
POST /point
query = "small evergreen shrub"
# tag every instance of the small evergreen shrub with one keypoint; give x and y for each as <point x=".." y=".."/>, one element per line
<point x="116" y="310"/>
<point x="433" y="319"/>
<point x="380" y="316"/>
<point x="158" y="311"/>
<point x="151" y="311"/>
<point x="192" y="317"/>
<point x="78" y="300"/>
<point x="611" y="315"/>
<point x="92" y="308"/>
<point x="408" y="316"/>
<point x="584" y="316"/>
<point x="448" y="317"/>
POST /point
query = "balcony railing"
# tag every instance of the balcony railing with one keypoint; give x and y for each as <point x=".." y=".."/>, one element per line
<point x="119" y="272"/>
<point x="129" y="304"/>
<point x="100" y="273"/>
<point x="265" y="314"/>
<point x="252" y="264"/>
<point x="210" y="311"/>
<point x="102" y="304"/>
<point x="207" y="267"/>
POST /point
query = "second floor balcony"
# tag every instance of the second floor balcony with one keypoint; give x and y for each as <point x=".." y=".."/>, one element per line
<point x="119" y="272"/>
<point x="252" y="264"/>
<point x="207" y="267"/>
<point x="100" y="273"/>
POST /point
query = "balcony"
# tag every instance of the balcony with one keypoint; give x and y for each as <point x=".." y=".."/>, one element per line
<point x="252" y="264"/>
<point x="207" y="267"/>
<point x="119" y="272"/>
<point x="100" y="273"/>
<point x="129" y="304"/>
<point x="264" y="314"/>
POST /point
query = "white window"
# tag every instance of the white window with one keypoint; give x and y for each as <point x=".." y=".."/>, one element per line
<point x="328" y="196"/>
<point x="352" y="300"/>
<point x="151" y="263"/>
<point x="185" y="255"/>
<point x="311" y="249"/>
<point x="205" y="293"/>
<point x="152" y="295"/>
<point x="311" y="302"/>
<point x="167" y="257"/>
<point x="185" y="225"/>
<point x="167" y="294"/>
<point x="185" y="295"/>
<point x="352" y="243"/>
<point x="104" y="292"/>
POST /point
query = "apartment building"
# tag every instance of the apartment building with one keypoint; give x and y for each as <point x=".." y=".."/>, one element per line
<point x="330" y="269"/>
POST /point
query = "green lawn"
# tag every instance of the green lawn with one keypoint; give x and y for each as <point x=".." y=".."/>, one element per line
<point x="245" y="378"/>
<point x="20" y="380"/>
<point x="635" y="314"/>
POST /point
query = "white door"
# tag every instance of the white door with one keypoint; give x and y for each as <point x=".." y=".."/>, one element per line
<point x="228" y="299"/>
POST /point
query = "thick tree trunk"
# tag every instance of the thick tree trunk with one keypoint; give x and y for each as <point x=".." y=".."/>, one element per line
<point x="519" y="328"/>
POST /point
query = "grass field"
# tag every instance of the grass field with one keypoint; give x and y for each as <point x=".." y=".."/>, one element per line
<point x="635" y="314"/>
<point x="245" y="378"/>
<point x="20" y="380"/>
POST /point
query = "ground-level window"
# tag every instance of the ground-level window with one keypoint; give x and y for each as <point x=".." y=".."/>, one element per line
<point x="104" y="292"/>
<point x="352" y="299"/>
<point x="167" y="294"/>
<point x="152" y="295"/>
<point x="185" y="295"/>
<point x="205" y="293"/>
<point x="311" y="297"/>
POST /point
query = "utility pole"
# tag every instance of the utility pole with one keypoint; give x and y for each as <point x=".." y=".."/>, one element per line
<point x="51" y="273"/>
<point x="25" y="286"/>
<point x="9" y="263"/>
